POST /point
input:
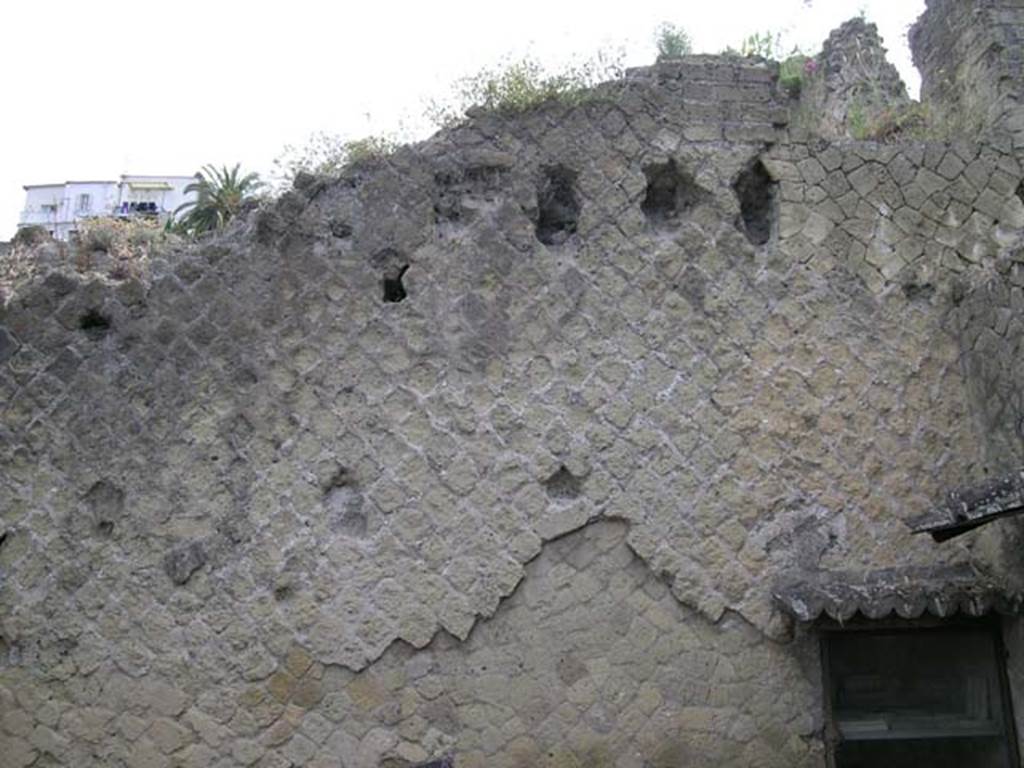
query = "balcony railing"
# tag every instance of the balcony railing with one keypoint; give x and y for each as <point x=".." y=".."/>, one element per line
<point x="138" y="209"/>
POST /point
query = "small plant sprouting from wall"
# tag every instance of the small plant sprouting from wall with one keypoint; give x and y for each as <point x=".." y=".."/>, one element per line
<point x="900" y="122"/>
<point x="558" y="208"/>
<point x="795" y="66"/>
<point x="765" y="44"/>
<point x="794" y="71"/>
<point x="857" y="122"/>
<point x="672" y="42"/>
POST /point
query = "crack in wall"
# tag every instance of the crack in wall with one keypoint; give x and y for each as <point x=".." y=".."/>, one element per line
<point x="596" y="519"/>
<point x="524" y="663"/>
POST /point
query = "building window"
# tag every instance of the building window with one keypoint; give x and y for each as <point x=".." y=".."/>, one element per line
<point x="84" y="203"/>
<point x="933" y="697"/>
<point x="50" y="208"/>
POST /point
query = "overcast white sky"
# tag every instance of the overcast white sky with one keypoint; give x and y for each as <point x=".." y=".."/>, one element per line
<point x="95" y="89"/>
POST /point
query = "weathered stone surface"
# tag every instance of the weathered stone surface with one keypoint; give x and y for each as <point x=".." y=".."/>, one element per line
<point x="8" y="346"/>
<point x="970" y="64"/>
<point x="576" y="660"/>
<point x="851" y="83"/>
<point x="182" y="562"/>
<point x="530" y="507"/>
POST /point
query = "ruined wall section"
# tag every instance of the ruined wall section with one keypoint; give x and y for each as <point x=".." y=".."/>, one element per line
<point x="971" y="59"/>
<point x="918" y="217"/>
<point x="356" y="418"/>
<point x="941" y="224"/>
<point x="590" y="662"/>
<point x="987" y="320"/>
<point x="851" y="84"/>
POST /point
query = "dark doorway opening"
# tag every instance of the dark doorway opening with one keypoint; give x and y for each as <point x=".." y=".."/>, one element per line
<point x="907" y="697"/>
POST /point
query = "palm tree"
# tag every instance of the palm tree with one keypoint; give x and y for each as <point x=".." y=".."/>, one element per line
<point x="219" y="196"/>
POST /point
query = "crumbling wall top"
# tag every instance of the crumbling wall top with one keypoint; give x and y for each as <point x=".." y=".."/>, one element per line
<point x="852" y="82"/>
<point x="971" y="59"/>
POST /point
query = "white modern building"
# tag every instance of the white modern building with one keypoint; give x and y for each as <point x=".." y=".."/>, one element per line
<point x="59" y="207"/>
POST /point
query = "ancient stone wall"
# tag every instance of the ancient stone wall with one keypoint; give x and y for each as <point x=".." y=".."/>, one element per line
<point x="850" y="85"/>
<point x="590" y="661"/>
<point x="498" y="445"/>
<point x="972" y="64"/>
<point x="988" y="320"/>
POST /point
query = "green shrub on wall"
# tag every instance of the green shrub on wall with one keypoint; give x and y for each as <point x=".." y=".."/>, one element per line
<point x="795" y="66"/>
<point x="326" y="154"/>
<point x="523" y="84"/>
<point x="794" y="71"/>
<point x="672" y="41"/>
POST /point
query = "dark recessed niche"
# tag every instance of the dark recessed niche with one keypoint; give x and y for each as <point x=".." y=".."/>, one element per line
<point x="340" y="229"/>
<point x="671" y="194"/>
<point x="755" y="190"/>
<point x="394" y="291"/>
<point x="1020" y="191"/>
<point x="558" y="207"/>
<point x="393" y="266"/>
<point x="283" y="592"/>
<point x="94" y="323"/>
<point x="918" y="291"/>
<point x="563" y="485"/>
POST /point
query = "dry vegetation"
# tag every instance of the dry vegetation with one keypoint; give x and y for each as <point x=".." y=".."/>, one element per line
<point x="117" y="249"/>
